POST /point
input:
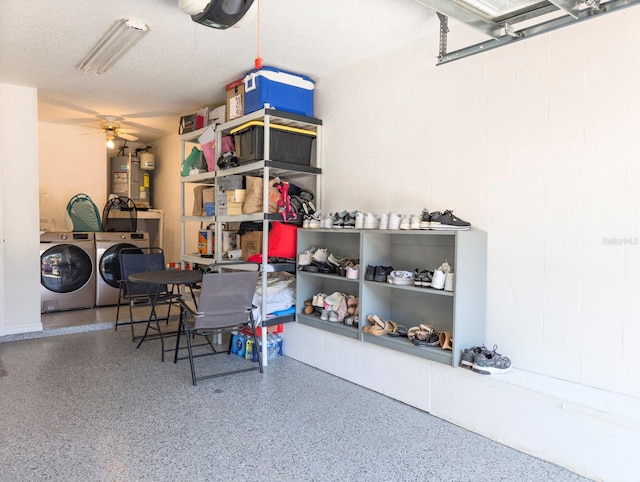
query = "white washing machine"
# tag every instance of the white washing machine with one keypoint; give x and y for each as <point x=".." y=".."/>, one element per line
<point x="108" y="247"/>
<point x="67" y="271"/>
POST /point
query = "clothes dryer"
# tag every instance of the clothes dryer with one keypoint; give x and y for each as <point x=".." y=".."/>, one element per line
<point x="108" y="247"/>
<point x="67" y="271"/>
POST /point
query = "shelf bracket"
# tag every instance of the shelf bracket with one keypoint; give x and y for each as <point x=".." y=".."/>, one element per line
<point x="444" y="30"/>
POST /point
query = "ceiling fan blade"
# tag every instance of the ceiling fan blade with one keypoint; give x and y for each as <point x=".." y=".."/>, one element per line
<point x="127" y="137"/>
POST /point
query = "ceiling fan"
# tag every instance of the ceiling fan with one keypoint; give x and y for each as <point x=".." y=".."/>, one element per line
<point x="111" y="128"/>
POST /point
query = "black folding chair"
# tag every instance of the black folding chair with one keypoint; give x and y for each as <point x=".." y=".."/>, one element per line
<point x="138" y="260"/>
<point x="224" y="307"/>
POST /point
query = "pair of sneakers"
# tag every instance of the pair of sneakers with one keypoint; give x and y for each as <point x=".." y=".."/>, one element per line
<point x="484" y="361"/>
<point x="313" y="254"/>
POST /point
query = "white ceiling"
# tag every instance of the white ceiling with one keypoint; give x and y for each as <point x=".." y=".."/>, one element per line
<point x="179" y="65"/>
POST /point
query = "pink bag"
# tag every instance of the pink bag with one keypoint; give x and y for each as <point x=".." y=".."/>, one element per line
<point x="209" y="150"/>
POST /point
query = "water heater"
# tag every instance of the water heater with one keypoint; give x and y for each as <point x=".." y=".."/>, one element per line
<point x="127" y="178"/>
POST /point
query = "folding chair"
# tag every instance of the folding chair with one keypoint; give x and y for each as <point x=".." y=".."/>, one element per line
<point x="224" y="307"/>
<point x="137" y="260"/>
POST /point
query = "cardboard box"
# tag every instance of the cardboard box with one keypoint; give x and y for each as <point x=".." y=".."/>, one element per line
<point x="235" y="99"/>
<point x="251" y="244"/>
<point x="234" y="208"/>
<point x="218" y="115"/>
<point x="236" y="195"/>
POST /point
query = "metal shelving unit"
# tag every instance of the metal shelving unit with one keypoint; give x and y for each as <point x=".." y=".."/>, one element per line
<point x="267" y="169"/>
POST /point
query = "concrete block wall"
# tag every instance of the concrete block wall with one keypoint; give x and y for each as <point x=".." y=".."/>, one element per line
<point x="535" y="143"/>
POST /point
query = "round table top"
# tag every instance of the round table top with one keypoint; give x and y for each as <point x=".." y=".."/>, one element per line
<point x="186" y="276"/>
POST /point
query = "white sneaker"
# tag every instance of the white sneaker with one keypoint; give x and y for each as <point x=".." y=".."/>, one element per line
<point x="305" y="222"/>
<point x="405" y="222"/>
<point x="448" y="281"/>
<point x="445" y="268"/>
<point x="359" y="220"/>
<point x="318" y="300"/>
<point x="304" y="259"/>
<point x="371" y="221"/>
<point x="384" y="221"/>
<point x="326" y="222"/>
<point x="352" y="272"/>
<point x="415" y="221"/>
<point x="320" y="255"/>
<point x="401" y="278"/>
<point x="394" y="221"/>
<point x="439" y="279"/>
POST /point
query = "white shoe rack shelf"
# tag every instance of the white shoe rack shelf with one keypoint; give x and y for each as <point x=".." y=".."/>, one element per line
<point x="461" y="311"/>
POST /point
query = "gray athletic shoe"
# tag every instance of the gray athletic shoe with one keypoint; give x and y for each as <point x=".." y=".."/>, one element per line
<point x="469" y="356"/>
<point x="447" y="220"/>
<point x="491" y="363"/>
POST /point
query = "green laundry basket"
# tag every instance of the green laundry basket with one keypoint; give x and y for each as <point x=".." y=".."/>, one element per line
<point x="84" y="214"/>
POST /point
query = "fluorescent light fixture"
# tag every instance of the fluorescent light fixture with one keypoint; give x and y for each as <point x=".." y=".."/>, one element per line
<point x="122" y="36"/>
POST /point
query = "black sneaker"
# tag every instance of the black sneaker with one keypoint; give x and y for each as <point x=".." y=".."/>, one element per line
<point x="370" y="273"/>
<point x="381" y="273"/>
<point x="447" y="221"/>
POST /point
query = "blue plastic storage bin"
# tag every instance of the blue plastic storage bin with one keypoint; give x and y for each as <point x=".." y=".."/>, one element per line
<point x="277" y="89"/>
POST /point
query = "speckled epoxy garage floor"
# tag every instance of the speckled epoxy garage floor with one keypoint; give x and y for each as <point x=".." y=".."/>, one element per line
<point x="89" y="406"/>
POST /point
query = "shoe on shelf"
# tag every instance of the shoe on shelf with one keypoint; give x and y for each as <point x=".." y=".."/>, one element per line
<point x="352" y="272"/>
<point x="469" y="355"/>
<point x="369" y="274"/>
<point x="304" y="258"/>
<point x="335" y="260"/>
<point x="445" y="340"/>
<point x="381" y="273"/>
<point x="338" y="220"/>
<point x="418" y="276"/>
<point x="405" y="222"/>
<point x="425" y="219"/>
<point x="400" y="278"/>
<point x="359" y="220"/>
<point x="324" y="316"/>
<point x="491" y="363"/>
<point x="384" y="221"/>
<point x="333" y="317"/>
<point x="448" y="281"/>
<point x="427" y="279"/>
<point x="305" y="222"/>
<point x="320" y="255"/>
<point x="315" y="220"/>
<point x="349" y="219"/>
<point x="327" y="221"/>
<point x="414" y="221"/>
<point x="440" y="276"/>
<point x="371" y="221"/>
<point x="394" y="221"/>
<point x="447" y="220"/>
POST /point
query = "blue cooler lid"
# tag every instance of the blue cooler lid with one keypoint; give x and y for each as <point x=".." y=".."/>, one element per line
<point x="276" y="75"/>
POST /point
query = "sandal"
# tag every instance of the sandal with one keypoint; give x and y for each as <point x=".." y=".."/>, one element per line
<point x="352" y="304"/>
<point x="377" y="326"/>
<point x="399" y="330"/>
<point x="422" y="332"/>
<point x="434" y="339"/>
<point x="445" y="340"/>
